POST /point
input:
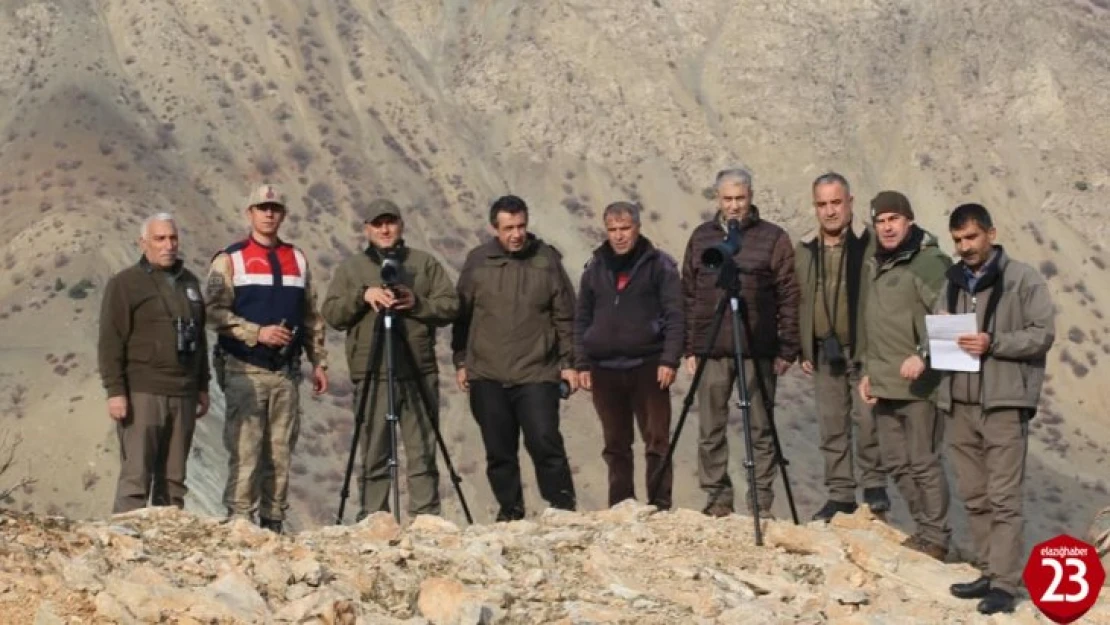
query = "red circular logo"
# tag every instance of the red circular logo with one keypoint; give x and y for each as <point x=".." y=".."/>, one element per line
<point x="1064" y="577"/>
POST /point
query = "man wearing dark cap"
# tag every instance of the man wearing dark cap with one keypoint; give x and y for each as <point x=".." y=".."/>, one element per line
<point x="628" y="340"/>
<point x="905" y="276"/>
<point x="424" y="299"/>
<point x="262" y="305"/>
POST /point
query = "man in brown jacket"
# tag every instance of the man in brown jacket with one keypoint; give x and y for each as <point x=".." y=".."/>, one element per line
<point x="831" y="265"/>
<point x="989" y="410"/>
<point x="513" y="344"/>
<point x="153" y="361"/>
<point x="628" y="340"/>
<point x="769" y="289"/>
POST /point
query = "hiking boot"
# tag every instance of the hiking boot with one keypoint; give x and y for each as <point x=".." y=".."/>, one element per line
<point x="971" y="590"/>
<point x="935" y="551"/>
<point x="717" y="510"/>
<point x="997" y="600"/>
<point x="504" y="516"/>
<point x="270" y="524"/>
<point x="876" y="499"/>
<point x="832" y="508"/>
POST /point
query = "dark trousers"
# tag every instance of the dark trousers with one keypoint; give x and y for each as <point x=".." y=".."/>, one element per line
<point x="503" y="413"/>
<point x="155" y="439"/>
<point x="628" y="398"/>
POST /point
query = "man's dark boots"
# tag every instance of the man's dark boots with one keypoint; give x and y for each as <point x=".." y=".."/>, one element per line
<point x="270" y="524"/>
<point x="877" y="500"/>
<point x="971" y="590"/>
<point x="997" y="600"/>
<point x="832" y="508"/>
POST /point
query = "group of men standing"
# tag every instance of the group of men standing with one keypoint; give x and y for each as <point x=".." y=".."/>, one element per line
<point x="848" y="301"/>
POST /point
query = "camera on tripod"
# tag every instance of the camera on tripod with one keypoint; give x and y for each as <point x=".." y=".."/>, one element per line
<point x="720" y="256"/>
<point x="391" y="270"/>
<point x="187" y="335"/>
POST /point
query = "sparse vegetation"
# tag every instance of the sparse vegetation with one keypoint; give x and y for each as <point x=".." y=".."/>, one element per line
<point x="81" y="289"/>
<point x="9" y="445"/>
<point x="1049" y="270"/>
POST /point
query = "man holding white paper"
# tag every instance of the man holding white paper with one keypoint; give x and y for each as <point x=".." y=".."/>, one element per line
<point x="989" y="409"/>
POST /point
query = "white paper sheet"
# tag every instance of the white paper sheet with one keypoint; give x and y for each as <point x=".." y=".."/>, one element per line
<point x="944" y="353"/>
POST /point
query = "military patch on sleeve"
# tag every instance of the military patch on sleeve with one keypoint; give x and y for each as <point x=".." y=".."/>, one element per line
<point x="215" y="283"/>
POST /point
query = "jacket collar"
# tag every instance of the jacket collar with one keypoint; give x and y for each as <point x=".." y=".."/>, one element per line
<point x="856" y="230"/>
<point x="916" y="240"/>
<point x="174" y="270"/>
<point x="377" y="254"/>
<point x="531" y="245"/>
<point x="960" y="275"/>
<point x="749" y="220"/>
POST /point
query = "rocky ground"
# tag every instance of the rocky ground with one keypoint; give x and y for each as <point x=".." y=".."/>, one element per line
<point x="625" y="565"/>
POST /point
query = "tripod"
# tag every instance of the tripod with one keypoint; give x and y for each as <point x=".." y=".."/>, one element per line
<point x="729" y="280"/>
<point x="384" y="335"/>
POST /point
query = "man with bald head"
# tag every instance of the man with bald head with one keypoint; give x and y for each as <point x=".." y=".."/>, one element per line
<point x="153" y="363"/>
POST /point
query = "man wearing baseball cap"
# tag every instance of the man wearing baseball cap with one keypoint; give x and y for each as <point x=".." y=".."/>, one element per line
<point x="424" y="299"/>
<point x="261" y="302"/>
<point x="905" y="276"/>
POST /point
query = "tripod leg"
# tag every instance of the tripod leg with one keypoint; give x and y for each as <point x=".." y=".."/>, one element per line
<point x="661" y="470"/>
<point x="369" y="385"/>
<point x="746" y="411"/>
<point x="391" y="413"/>
<point x="430" y="410"/>
<point x="769" y="407"/>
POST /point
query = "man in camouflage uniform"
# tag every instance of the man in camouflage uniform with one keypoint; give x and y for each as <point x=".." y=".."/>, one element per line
<point x="262" y="303"/>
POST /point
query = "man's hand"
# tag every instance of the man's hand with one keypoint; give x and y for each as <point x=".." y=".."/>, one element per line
<point x="461" y="380"/>
<point x="865" y="391"/>
<point x="665" y="376"/>
<point x="781" y="366"/>
<point x="117" y="407"/>
<point x="585" y="380"/>
<point x="203" y="402"/>
<point x="319" y="380"/>
<point x="691" y="365"/>
<point x="379" y="297"/>
<point x="807" y="367"/>
<point x="405" y="298"/>
<point x="274" y="336"/>
<point x="974" y="344"/>
<point x="912" y="367"/>
<point x="571" y="377"/>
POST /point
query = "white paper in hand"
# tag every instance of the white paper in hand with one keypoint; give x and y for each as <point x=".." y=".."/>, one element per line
<point x="944" y="353"/>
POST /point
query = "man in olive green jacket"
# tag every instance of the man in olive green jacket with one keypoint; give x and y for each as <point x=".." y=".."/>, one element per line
<point x="989" y="410"/>
<point x="905" y="276"/>
<point x="831" y="267"/>
<point x="513" y="343"/>
<point x="424" y="299"/>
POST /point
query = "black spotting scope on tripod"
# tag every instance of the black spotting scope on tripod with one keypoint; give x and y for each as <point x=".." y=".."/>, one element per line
<point x="720" y="258"/>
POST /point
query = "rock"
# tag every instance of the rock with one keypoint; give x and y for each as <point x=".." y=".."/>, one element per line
<point x="324" y="605"/>
<point x="447" y="602"/>
<point x="307" y="570"/>
<point x="431" y="524"/>
<point x="47" y="615"/>
<point x="234" y="595"/>
<point x="110" y="609"/>
<point x="379" y="527"/>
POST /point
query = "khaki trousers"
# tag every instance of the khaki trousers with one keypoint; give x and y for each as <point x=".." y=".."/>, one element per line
<point x="839" y="407"/>
<point x="419" y="441"/>
<point x="261" y="426"/>
<point x="714" y="394"/>
<point x="154" y="442"/>
<point x="987" y="451"/>
<point x="910" y="435"/>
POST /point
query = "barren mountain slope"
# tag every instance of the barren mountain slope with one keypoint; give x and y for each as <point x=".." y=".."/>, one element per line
<point x="110" y="111"/>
